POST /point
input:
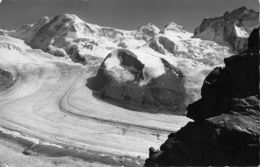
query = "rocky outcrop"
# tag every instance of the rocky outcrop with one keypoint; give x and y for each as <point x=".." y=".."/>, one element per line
<point x="226" y="130"/>
<point x="6" y="80"/>
<point x="231" y="29"/>
<point x="163" y="45"/>
<point x="131" y="77"/>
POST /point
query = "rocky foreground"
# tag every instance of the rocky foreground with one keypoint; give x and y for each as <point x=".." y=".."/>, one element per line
<point x="227" y="118"/>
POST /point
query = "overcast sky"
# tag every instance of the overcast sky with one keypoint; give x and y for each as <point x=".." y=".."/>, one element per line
<point x="125" y="14"/>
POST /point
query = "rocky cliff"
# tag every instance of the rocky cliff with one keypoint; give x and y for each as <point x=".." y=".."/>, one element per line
<point x="226" y="130"/>
<point x="231" y="29"/>
<point x="6" y="80"/>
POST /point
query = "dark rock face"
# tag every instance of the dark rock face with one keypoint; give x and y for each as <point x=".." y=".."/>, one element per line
<point x="226" y="130"/>
<point x="239" y="79"/>
<point x="162" y="44"/>
<point x="253" y="41"/>
<point x="6" y="80"/>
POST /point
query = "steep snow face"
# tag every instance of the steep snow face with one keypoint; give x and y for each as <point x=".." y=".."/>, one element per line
<point x="139" y="79"/>
<point x="66" y="35"/>
<point x="231" y="29"/>
<point x="240" y="32"/>
<point x="28" y="31"/>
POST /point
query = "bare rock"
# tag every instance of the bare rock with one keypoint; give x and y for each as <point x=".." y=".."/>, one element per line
<point x="144" y="80"/>
<point x="6" y="80"/>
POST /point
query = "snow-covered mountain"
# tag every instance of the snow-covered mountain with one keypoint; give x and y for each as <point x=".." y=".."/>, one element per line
<point x="70" y="37"/>
<point x="232" y="29"/>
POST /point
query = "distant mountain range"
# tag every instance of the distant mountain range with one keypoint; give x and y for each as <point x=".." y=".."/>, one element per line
<point x="70" y="37"/>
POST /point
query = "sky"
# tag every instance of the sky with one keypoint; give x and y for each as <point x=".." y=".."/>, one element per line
<point x="124" y="14"/>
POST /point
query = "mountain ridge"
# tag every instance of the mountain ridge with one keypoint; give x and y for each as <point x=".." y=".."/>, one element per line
<point x="68" y="36"/>
<point x="231" y="29"/>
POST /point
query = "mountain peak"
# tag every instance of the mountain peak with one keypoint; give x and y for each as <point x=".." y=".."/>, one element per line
<point x="174" y="26"/>
<point x="147" y="31"/>
<point x="239" y="10"/>
<point x="149" y="25"/>
<point x="231" y="29"/>
<point x="68" y="17"/>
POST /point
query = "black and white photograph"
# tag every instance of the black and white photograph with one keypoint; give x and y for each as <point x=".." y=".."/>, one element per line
<point x="129" y="83"/>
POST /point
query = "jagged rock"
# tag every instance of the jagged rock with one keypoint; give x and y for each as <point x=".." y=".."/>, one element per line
<point x="226" y="130"/>
<point x="138" y="79"/>
<point x="238" y="79"/>
<point x="231" y="29"/>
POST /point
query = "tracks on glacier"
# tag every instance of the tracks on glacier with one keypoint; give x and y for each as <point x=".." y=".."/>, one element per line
<point x="122" y="125"/>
